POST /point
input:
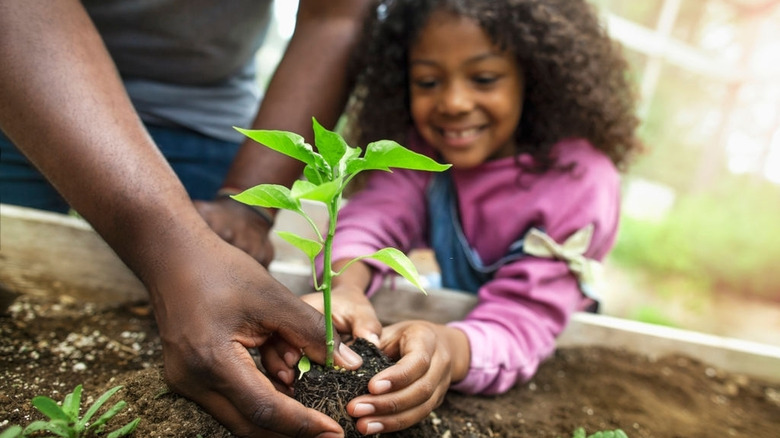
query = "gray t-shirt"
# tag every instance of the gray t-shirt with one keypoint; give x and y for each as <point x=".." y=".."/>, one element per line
<point x="187" y="63"/>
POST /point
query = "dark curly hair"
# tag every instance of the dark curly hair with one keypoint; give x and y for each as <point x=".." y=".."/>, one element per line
<point x="575" y="75"/>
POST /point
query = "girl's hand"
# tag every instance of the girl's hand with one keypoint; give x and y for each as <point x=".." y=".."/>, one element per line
<point x="431" y="357"/>
<point x="352" y="312"/>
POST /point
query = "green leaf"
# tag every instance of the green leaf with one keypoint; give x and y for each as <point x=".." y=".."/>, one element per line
<point x="269" y="195"/>
<point x="304" y="365"/>
<point x="329" y="144"/>
<point x="95" y="406"/>
<point x="125" y="430"/>
<point x="384" y="154"/>
<point x="288" y="143"/>
<point x="49" y="408"/>
<point x="109" y="414"/>
<point x="12" y="432"/>
<point x="401" y="264"/>
<point x="351" y="155"/>
<point x="71" y="404"/>
<point x="310" y="247"/>
<point x="617" y="433"/>
<point x="35" y="426"/>
<point x="313" y="175"/>
<point x="324" y="192"/>
<point x="579" y="433"/>
<point x="58" y="427"/>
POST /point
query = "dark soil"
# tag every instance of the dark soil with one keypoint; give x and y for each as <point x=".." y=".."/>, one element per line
<point x="48" y="347"/>
<point x="328" y="390"/>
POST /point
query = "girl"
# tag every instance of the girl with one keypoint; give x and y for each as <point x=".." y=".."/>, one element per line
<point x="529" y="102"/>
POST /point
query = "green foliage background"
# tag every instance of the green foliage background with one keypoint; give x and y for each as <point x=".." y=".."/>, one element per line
<point x="722" y="234"/>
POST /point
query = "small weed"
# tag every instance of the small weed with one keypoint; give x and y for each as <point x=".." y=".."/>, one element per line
<point x="617" y="433"/>
<point x="64" y="420"/>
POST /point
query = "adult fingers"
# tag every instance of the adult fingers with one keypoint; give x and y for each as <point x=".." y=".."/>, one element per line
<point x="248" y="404"/>
<point x="238" y="225"/>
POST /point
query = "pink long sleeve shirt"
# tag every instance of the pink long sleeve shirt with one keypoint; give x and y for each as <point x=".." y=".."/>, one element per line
<point x="528" y="302"/>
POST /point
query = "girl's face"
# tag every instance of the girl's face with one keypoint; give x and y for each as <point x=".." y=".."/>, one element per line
<point x="466" y="94"/>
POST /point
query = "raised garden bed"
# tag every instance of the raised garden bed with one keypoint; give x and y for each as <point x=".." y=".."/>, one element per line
<point x="75" y="315"/>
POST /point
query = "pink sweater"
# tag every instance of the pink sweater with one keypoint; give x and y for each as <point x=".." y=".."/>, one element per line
<point x="527" y="304"/>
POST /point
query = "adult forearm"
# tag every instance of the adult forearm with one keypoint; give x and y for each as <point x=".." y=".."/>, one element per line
<point x="64" y="106"/>
<point x="310" y="81"/>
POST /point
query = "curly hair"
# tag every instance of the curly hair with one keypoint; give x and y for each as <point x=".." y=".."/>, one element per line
<point x="575" y="75"/>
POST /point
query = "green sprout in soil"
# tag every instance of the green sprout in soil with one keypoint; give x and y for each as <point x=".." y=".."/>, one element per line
<point x="64" y="419"/>
<point x="617" y="433"/>
<point x="328" y="171"/>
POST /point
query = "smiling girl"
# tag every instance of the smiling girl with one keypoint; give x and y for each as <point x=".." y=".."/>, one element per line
<point x="528" y="100"/>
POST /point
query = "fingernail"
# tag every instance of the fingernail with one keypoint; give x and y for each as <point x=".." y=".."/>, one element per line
<point x="362" y="409"/>
<point x="353" y="359"/>
<point x="382" y="386"/>
<point x="290" y="359"/>
<point x="373" y="428"/>
<point x="283" y="376"/>
<point x="373" y="338"/>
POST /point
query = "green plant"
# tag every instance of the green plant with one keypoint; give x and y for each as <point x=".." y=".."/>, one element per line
<point x="617" y="433"/>
<point x="64" y="420"/>
<point x="328" y="171"/>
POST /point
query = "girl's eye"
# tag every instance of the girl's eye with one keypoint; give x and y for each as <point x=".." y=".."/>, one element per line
<point x="425" y="83"/>
<point x="485" y="79"/>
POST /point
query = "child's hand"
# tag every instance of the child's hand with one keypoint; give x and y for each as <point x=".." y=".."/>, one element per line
<point x="352" y="312"/>
<point x="431" y="357"/>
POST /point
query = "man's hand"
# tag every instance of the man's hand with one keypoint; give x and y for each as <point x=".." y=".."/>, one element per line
<point x="210" y="309"/>
<point x="238" y="225"/>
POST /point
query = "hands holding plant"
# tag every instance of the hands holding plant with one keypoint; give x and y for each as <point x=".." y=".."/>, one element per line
<point x="407" y="392"/>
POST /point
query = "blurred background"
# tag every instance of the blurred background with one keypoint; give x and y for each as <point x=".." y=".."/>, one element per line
<point x="699" y="245"/>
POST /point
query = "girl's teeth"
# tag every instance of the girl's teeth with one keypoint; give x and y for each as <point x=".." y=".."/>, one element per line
<point x="460" y="134"/>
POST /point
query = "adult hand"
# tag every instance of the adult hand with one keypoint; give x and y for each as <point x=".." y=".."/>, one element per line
<point x="214" y="302"/>
<point x="238" y="225"/>
<point x="430" y="357"/>
<point x="352" y="314"/>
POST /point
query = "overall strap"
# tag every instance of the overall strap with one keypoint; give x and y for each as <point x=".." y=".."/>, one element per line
<point x="461" y="267"/>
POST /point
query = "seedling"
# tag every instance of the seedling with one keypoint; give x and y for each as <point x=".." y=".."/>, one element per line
<point x="64" y="420"/>
<point x="617" y="433"/>
<point x="328" y="171"/>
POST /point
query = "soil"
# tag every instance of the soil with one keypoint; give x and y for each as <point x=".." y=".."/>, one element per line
<point x="328" y="390"/>
<point x="48" y="346"/>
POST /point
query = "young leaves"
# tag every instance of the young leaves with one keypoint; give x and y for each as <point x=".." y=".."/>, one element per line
<point x="64" y="420"/>
<point x="617" y="433"/>
<point x="328" y="171"/>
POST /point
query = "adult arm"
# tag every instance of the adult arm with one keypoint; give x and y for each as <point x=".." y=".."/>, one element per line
<point x="310" y="81"/>
<point x="64" y="106"/>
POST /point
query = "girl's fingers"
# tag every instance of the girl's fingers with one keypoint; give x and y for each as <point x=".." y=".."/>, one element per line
<point x="416" y="346"/>
<point x="419" y="408"/>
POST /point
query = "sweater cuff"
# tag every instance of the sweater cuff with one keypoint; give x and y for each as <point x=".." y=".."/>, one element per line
<point x="485" y="375"/>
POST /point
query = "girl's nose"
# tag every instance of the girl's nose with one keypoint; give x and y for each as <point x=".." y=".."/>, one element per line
<point x="455" y="99"/>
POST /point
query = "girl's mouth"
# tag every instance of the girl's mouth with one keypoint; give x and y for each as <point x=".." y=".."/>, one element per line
<point x="460" y="137"/>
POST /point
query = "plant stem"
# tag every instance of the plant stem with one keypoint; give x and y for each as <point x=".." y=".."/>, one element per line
<point x="327" y="280"/>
